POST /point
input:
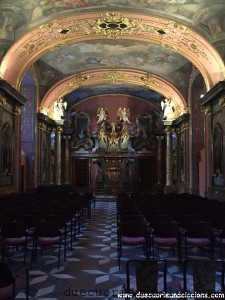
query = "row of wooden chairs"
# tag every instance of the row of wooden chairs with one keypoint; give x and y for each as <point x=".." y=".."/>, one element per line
<point x="164" y="230"/>
<point x="45" y="229"/>
<point x="200" y="276"/>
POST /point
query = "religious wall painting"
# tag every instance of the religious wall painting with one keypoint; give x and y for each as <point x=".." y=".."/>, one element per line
<point x="144" y="125"/>
<point x="7" y="150"/>
<point x="182" y="158"/>
<point x="218" y="179"/>
<point x="7" y="155"/>
<point x="82" y="122"/>
<point x="44" y="160"/>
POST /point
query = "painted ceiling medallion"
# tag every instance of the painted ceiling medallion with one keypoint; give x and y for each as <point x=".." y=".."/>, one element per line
<point x="114" y="25"/>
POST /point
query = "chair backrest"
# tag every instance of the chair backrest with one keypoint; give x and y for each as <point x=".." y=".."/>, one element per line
<point x="47" y="229"/>
<point x="201" y="275"/>
<point x="166" y="229"/>
<point x="199" y="230"/>
<point x="158" y="219"/>
<point x="185" y="220"/>
<point x="133" y="229"/>
<point x="148" y="275"/>
<point x="6" y="276"/>
<point x="13" y="229"/>
<point x="217" y="222"/>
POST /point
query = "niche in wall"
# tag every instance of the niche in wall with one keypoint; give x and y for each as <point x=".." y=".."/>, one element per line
<point x="144" y="126"/>
<point x="82" y="125"/>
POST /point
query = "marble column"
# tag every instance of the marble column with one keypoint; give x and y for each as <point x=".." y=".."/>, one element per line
<point x="159" y="159"/>
<point x="169" y="157"/>
<point x="58" y="153"/>
<point x="67" y="160"/>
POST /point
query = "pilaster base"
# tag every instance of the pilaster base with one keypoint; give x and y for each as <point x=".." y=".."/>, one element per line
<point x="170" y="189"/>
<point x="158" y="188"/>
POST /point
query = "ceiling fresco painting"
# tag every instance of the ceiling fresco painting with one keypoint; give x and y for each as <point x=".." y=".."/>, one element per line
<point x="161" y="53"/>
<point x="114" y="54"/>
<point x="140" y="92"/>
<point x="206" y="13"/>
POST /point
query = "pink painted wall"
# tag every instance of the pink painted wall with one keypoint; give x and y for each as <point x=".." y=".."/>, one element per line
<point x="113" y="103"/>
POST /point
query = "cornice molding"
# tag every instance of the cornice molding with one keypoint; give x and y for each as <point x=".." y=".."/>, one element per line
<point x="214" y="94"/>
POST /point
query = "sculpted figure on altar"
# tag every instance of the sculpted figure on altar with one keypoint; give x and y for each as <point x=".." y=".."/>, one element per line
<point x="168" y="108"/>
<point x="124" y="114"/>
<point x="102" y="114"/>
<point x="58" y="109"/>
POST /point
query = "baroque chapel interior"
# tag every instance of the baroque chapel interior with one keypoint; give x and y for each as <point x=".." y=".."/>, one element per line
<point x="110" y="98"/>
<point x="156" y="69"/>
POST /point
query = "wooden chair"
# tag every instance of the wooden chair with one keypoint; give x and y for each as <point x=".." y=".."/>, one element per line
<point x="11" y="284"/>
<point x="146" y="276"/>
<point x="202" y="276"/>
<point x="132" y="234"/>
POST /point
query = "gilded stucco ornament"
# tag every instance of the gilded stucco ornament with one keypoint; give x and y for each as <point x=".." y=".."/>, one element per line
<point x="17" y="110"/>
<point x="78" y="80"/>
<point x="112" y="134"/>
<point x="222" y="101"/>
<point x="3" y="100"/>
<point x="113" y="76"/>
<point x="115" y="24"/>
<point x="208" y="110"/>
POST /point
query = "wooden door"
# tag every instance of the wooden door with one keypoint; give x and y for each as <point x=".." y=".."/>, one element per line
<point x="81" y="172"/>
<point x="146" y="174"/>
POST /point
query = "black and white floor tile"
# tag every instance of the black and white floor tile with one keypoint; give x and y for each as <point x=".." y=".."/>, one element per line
<point x="91" y="270"/>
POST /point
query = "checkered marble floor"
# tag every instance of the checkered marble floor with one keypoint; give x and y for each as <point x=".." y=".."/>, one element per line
<point x="91" y="269"/>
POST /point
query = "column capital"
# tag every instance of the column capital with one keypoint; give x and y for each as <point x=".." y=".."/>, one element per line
<point x="66" y="137"/>
<point x="160" y="137"/>
<point x="169" y="129"/>
<point x="59" y="129"/>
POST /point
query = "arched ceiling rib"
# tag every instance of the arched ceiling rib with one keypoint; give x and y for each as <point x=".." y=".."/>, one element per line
<point x="113" y="76"/>
<point x="88" y="26"/>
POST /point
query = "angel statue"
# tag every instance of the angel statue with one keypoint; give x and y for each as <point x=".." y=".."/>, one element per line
<point x="124" y="114"/>
<point x="168" y="108"/>
<point x="102" y="114"/>
<point x="58" y="109"/>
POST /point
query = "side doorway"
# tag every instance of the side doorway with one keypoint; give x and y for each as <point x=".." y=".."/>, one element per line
<point x="146" y="174"/>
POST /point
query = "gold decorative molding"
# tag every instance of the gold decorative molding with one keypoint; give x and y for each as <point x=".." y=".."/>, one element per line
<point x="42" y="126"/>
<point x="59" y="129"/>
<point x="115" y="25"/>
<point x="3" y="100"/>
<point x="78" y="80"/>
<point x="150" y="81"/>
<point x="222" y="101"/>
<point x="50" y="25"/>
<point x="146" y="79"/>
<point x="113" y="76"/>
<point x="184" y="126"/>
<point x="208" y="110"/>
<point x="17" y="110"/>
<point x="169" y="129"/>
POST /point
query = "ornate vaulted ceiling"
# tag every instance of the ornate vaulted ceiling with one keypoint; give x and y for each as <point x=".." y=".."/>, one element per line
<point x="81" y="48"/>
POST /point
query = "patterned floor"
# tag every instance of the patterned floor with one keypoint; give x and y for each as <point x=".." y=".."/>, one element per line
<point x="91" y="270"/>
